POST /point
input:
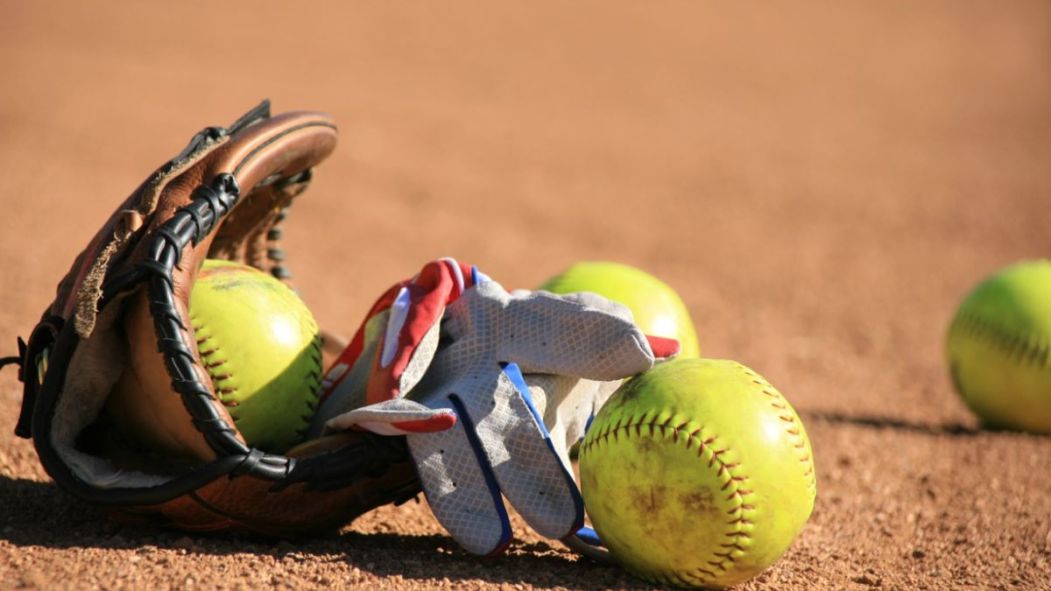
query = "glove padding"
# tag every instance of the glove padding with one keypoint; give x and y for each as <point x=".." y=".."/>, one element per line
<point x="475" y="398"/>
<point x="121" y="316"/>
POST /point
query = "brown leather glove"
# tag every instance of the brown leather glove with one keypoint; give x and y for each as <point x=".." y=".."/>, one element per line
<point x="120" y="321"/>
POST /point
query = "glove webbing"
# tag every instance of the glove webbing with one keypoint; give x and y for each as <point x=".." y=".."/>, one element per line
<point x="189" y="225"/>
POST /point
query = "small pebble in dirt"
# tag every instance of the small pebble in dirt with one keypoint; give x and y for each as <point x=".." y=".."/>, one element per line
<point x="869" y="579"/>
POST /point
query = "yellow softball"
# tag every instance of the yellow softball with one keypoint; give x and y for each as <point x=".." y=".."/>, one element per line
<point x="999" y="348"/>
<point x="697" y="473"/>
<point x="262" y="349"/>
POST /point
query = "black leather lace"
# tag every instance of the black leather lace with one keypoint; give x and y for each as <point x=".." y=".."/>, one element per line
<point x="209" y="204"/>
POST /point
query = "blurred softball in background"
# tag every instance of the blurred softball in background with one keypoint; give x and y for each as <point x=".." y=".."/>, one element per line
<point x="999" y="348"/>
<point x="657" y="308"/>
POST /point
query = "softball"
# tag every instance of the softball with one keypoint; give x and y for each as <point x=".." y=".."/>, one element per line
<point x="656" y="308"/>
<point x="697" y="473"/>
<point x="999" y="345"/>
<point x="261" y="348"/>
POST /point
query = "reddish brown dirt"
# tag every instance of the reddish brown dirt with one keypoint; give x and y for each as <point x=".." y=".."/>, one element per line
<point x="822" y="185"/>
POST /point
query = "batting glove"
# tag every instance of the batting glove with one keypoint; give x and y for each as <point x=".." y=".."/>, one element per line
<point x="490" y="389"/>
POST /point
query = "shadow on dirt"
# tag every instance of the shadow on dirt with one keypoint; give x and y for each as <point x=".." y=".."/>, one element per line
<point x="38" y="513"/>
<point x="428" y="557"/>
<point x="890" y="423"/>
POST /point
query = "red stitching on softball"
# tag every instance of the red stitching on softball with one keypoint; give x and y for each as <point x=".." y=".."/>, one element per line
<point x="737" y="495"/>
<point x="795" y="430"/>
<point x="315" y="388"/>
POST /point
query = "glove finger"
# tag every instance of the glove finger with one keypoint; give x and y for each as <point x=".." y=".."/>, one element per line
<point x="528" y="469"/>
<point x="394" y="417"/>
<point x="343" y="388"/>
<point x="547" y="333"/>
<point x="412" y="333"/>
<point x="463" y="494"/>
<point x="568" y="405"/>
<point x="591" y="300"/>
<point x="664" y="347"/>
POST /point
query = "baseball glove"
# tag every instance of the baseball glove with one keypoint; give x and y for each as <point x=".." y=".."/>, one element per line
<point x="120" y="315"/>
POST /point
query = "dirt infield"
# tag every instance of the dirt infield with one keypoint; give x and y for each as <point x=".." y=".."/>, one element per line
<point x="822" y="186"/>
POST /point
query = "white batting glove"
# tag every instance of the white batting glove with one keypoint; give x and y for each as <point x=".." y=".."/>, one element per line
<point x="490" y="395"/>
